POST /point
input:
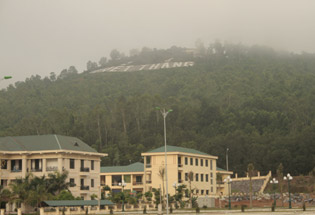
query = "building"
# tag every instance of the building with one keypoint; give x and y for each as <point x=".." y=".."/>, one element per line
<point x="180" y="162"/>
<point x="222" y="187"/>
<point x="44" y="154"/>
<point x="131" y="175"/>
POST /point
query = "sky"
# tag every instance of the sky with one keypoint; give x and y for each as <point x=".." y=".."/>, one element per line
<point x="41" y="36"/>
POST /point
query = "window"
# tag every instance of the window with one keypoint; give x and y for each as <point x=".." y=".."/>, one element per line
<point x="197" y="191"/>
<point x="201" y="162"/>
<point x="148" y="161"/>
<point x="72" y="166"/>
<point x="196" y="161"/>
<point x="211" y="164"/>
<point x="92" y="182"/>
<point x="186" y="160"/>
<point x="72" y="182"/>
<point x="191" y="161"/>
<point x="201" y="177"/>
<point x="197" y="177"/>
<point x="4" y="164"/>
<point x="16" y="165"/>
<point x="139" y="179"/>
<point x="211" y="181"/>
<point x="127" y="178"/>
<point x="92" y="165"/>
<point x="211" y="175"/>
<point x="207" y="177"/>
<point x="206" y="162"/>
<point x="202" y="191"/>
<point x="207" y="192"/>
<point x="211" y="189"/>
<point x="82" y="163"/>
<point x="186" y="176"/>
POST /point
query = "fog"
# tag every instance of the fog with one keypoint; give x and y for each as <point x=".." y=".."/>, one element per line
<point x="40" y="37"/>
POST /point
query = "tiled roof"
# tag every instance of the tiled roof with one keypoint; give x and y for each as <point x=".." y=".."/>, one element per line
<point x="43" y="143"/>
<point x="178" y="149"/>
<point x="135" y="167"/>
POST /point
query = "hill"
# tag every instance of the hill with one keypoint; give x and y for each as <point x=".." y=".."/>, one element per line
<point x="255" y="101"/>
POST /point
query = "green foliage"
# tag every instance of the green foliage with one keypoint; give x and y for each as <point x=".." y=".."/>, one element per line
<point x="253" y="100"/>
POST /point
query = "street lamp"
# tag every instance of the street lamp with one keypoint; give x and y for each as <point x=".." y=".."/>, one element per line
<point x="228" y="180"/>
<point x="288" y="178"/>
<point x="164" y="114"/>
<point x="274" y="182"/>
<point x="123" y="184"/>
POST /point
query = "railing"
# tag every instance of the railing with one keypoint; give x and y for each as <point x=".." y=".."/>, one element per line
<point x="51" y="168"/>
<point x="148" y="166"/>
<point x="115" y="183"/>
<point x="72" y="185"/>
<point x="180" y="165"/>
<point x="137" y="183"/>
<point x="36" y="170"/>
<point x="84" y="187"/>
<point x="148" y="181"/>
<point x="85" y="169"/>
<point x="16" y="170"/>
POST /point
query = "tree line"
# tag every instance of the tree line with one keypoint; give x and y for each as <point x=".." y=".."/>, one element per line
<point x="253" y="100"/>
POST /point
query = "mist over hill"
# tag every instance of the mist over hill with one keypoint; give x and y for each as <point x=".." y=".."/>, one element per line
<point x="255" y="101"/>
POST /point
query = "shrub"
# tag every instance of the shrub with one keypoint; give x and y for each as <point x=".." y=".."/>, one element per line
<point x="145" y="210"/>
<point x="204" y="207"/>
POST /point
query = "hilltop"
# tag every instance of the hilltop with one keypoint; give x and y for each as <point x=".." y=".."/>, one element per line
<point x="255" y="101"/>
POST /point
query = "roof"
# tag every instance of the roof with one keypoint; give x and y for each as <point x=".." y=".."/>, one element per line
<point x="220" y="169"/>
<point x="60" y="203"/>
<point x="178" y="149"/>
<point x="135" y="167"/>
<point x="43" y="143"/>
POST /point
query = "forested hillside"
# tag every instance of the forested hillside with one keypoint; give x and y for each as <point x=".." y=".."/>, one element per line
<point x="257" y="102"/>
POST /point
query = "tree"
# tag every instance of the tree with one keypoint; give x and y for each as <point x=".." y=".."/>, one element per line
<point x="102" y="62"/>
<point x="90" y="66"/>
<point x="115" y="55"/>
<point x="251" y="173"/>
<point x="161" y="175"/>
<point x="57" y="182"/>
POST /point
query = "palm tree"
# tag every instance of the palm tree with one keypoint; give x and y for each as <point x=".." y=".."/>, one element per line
<point x="57" y="182"/>
<point x="161" y="174"/>
<point x="251" y="173"/>
<point x="20" y="190"/>
<point x="5" y="195"/>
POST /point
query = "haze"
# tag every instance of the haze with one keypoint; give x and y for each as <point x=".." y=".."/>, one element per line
<point x="40" y="37"/>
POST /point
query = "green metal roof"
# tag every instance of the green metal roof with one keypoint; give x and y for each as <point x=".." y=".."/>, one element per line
<point x="43" y="143"/>
<point x="178" y="149"/>
<point x="220" y="169"/>
<point x="74" y="203"/>
<point x="135" y="167"/>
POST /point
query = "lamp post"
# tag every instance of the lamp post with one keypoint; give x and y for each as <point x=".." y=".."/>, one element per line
<point x="288" y="178"/>
<point x="274" y="182"/>
<point x="228" y="180"/>
<point x="164" y="114"/>
<point x="123" y="184"/>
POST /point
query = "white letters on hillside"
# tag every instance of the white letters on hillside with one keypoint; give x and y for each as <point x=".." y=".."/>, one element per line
<point x="133" y="68"/>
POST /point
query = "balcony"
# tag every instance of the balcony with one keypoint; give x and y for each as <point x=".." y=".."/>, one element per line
<point x="36" y="170"/>
<point x="51" y="168"/>
<point x="16" y="170"/>
<point x="148" y="166"/>
<point x="137" y="183"/>
<point x="72" y="185"/>
<point x="82" y="187"/>
<point x="84" y="169"/>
